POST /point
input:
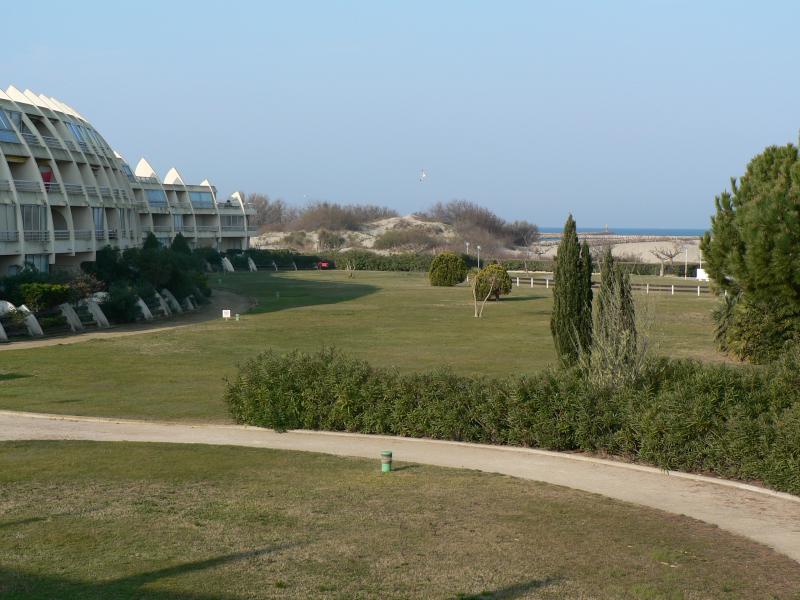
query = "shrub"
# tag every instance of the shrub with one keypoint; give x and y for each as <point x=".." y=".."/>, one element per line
<point x="735" y="422"/>
<point x="364" y="260"/>
<point x="330" y="240"/>
<point x="448" y="269"/>
<point x="410" y="238"/>
<point x="493" y="280"/>
<point x="43" y="296"/>
<point x="121" y="306"/>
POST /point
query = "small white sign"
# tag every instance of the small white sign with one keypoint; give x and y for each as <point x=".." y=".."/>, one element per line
<point x="226" y="313"/>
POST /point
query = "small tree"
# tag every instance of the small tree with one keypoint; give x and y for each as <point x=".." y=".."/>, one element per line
<point x="492" y="281"/>
<point x="666" y="253"/>
<point x="180" y="244"/>
<point x="447" y="269"/>
<point x="617" y="351"/>
<point x="572" y="296"/>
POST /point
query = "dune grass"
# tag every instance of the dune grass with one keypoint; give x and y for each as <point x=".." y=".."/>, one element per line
<point x="85" y="520"/>
<point x="391" y="319"/>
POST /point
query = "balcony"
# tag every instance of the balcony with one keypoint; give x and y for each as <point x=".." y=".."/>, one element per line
<point x="73" y="189"/>
<point x="112" y="234"/>
<point x="83" y="234"/>
<point x="52" y="142"/>
<point x="92" y="191"/>
<point x="105" y="192"/>
<point x="5" y="185"/>
<point x="99" y="235"/>
<point x="162" y="229"/>
<point x="9" y="236"/>
<point x="233" y="228"/>
<point x="147" y="179"/>
<point x="38" y="235"/>
<point x="31" y="139"/>
<point x="61" y="234"/>
<point x="26" y="185"/>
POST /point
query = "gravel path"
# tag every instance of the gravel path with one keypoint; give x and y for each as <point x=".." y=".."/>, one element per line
<point x="213" y="310"/>
<point x="768" y="517"/>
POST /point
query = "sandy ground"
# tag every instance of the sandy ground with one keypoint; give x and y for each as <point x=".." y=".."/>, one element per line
<point x="640" y="251"/>
<point x="213" y="310"/>
<point x="770" y="518"/>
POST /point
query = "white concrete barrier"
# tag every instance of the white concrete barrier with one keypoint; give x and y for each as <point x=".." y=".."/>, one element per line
<point x="148" y="316"/>
<point x="73" y="320"/>
<point x="173" y="301"/>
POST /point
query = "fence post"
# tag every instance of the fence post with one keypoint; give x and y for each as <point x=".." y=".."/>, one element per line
<point x="531" y="280"/>
<point x="547" y="283"/>
<point x="517" y="281"/>
<point x="647" y="288"/>
<point x="698" y="290"/>
<point x="673" y="289"/>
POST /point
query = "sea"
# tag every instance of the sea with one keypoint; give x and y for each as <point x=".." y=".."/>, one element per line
<point x="648" y="231"/>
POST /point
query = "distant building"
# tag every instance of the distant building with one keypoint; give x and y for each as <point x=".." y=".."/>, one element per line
<point x="64" y="193"/>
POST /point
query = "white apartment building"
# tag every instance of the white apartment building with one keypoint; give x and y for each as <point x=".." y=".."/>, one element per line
<point x="64" y="193"/>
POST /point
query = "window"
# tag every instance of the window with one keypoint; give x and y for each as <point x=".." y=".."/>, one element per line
<point x="232" y="221"/>
<point x="177" y="222"/>
<point x="97" y="217"/>
<point x="8" y="222"/>
<point x="128" y="173"/>
<point x="201" y="199"/>
<point x="156" y="197"/>
<point x="34" y="217"/>
<point x="39" y="262"/>
<point x="76" y="131"/>
<point x="6" y="131"/>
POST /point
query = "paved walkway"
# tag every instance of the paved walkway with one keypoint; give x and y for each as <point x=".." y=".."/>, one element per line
<point x="768" y="517"/>
<point x="219" y="299"/>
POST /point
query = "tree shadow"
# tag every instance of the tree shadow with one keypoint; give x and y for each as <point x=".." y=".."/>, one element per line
<point x="19" y="584"/>
<point x="516" y="590"/>
<point x="275" y="291"/>
<point x="519" y="298"/>
<point x="10" y="376"/>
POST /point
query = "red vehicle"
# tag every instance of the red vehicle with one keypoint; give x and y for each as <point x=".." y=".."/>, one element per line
<point x="324" y="264"/>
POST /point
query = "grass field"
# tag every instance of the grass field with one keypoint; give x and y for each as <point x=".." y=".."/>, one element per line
<point x="84" y="520"/>
<point x="391" y="319"/>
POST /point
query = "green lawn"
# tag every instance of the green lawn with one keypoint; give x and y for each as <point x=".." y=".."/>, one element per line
<point x="391" y="319"/>
<point x="83" y="520"/>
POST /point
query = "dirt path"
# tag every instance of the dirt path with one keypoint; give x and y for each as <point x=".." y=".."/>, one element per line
<point x="219" y="299"/>
<point x="768" y="517"/>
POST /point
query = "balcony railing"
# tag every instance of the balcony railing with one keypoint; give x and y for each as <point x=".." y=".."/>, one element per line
<point x="112" y="234"/>
<point x="147" y="179"/>
<point x="105" y="192"/>
<point x="92" y="191"/>
<point x="31" y="139"/>
<point x="70" y="145"/>
<point x="84" y="234"/>
<point x="162" y="229"/>
<point x="52" y="187"/>
<point x="99" y="234"/>
<point x="208" y="228"/>
<point x="25" y="185"/>
<point x="5" y="185"/>
<point x="61" y="234"/>
<point x="9" y="236"/>
<point x="38" y="235"/>
<point x="233" y="228"/>
<point x="73" y="189"/>
<point x="52" y="142"/>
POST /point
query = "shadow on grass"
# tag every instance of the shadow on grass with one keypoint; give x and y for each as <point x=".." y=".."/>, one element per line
<point x="274" y="292"/>
<point x="519" y="298"/>
<point x="18" y="584"/>
<point x="10" y="376"/>
<point x="518" y="590"/>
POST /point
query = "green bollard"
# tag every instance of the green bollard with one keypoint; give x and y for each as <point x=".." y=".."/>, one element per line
<point x="386" y="461"/>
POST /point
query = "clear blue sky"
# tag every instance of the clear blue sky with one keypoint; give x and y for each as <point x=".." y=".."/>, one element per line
<point x="629" y="113"/>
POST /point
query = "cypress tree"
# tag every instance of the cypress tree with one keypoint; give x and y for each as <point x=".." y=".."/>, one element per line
<point x="585" y="320"/>
<point x="568" y="296"/>
<point x="615" y="340"/>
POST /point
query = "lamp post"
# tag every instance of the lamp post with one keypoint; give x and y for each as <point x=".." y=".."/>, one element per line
<point x="467" y="243"/>
<point x="479" y="256"/>
<point x="686" y="262"/>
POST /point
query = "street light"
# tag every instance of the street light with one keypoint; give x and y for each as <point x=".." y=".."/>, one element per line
<point x="479" y="256"/>
<point x="686" y="262"/>
<point x="467" y="243"/>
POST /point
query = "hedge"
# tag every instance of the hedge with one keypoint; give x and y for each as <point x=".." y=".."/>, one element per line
<point x="735" y="422"/>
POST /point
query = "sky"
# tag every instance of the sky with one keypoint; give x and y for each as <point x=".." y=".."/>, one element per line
<point x="627" y="113"/>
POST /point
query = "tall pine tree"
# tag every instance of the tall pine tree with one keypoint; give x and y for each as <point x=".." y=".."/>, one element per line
<point x="572" y="296"/>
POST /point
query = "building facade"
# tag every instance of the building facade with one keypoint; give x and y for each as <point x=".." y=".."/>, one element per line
<point x="64" y="193"/>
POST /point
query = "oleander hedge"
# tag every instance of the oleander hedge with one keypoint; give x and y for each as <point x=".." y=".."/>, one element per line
<point x="731" y="421"/>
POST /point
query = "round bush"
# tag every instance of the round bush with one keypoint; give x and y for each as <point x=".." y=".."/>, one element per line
<point x="493" y="276"/>
<point x="447" y="269"/>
